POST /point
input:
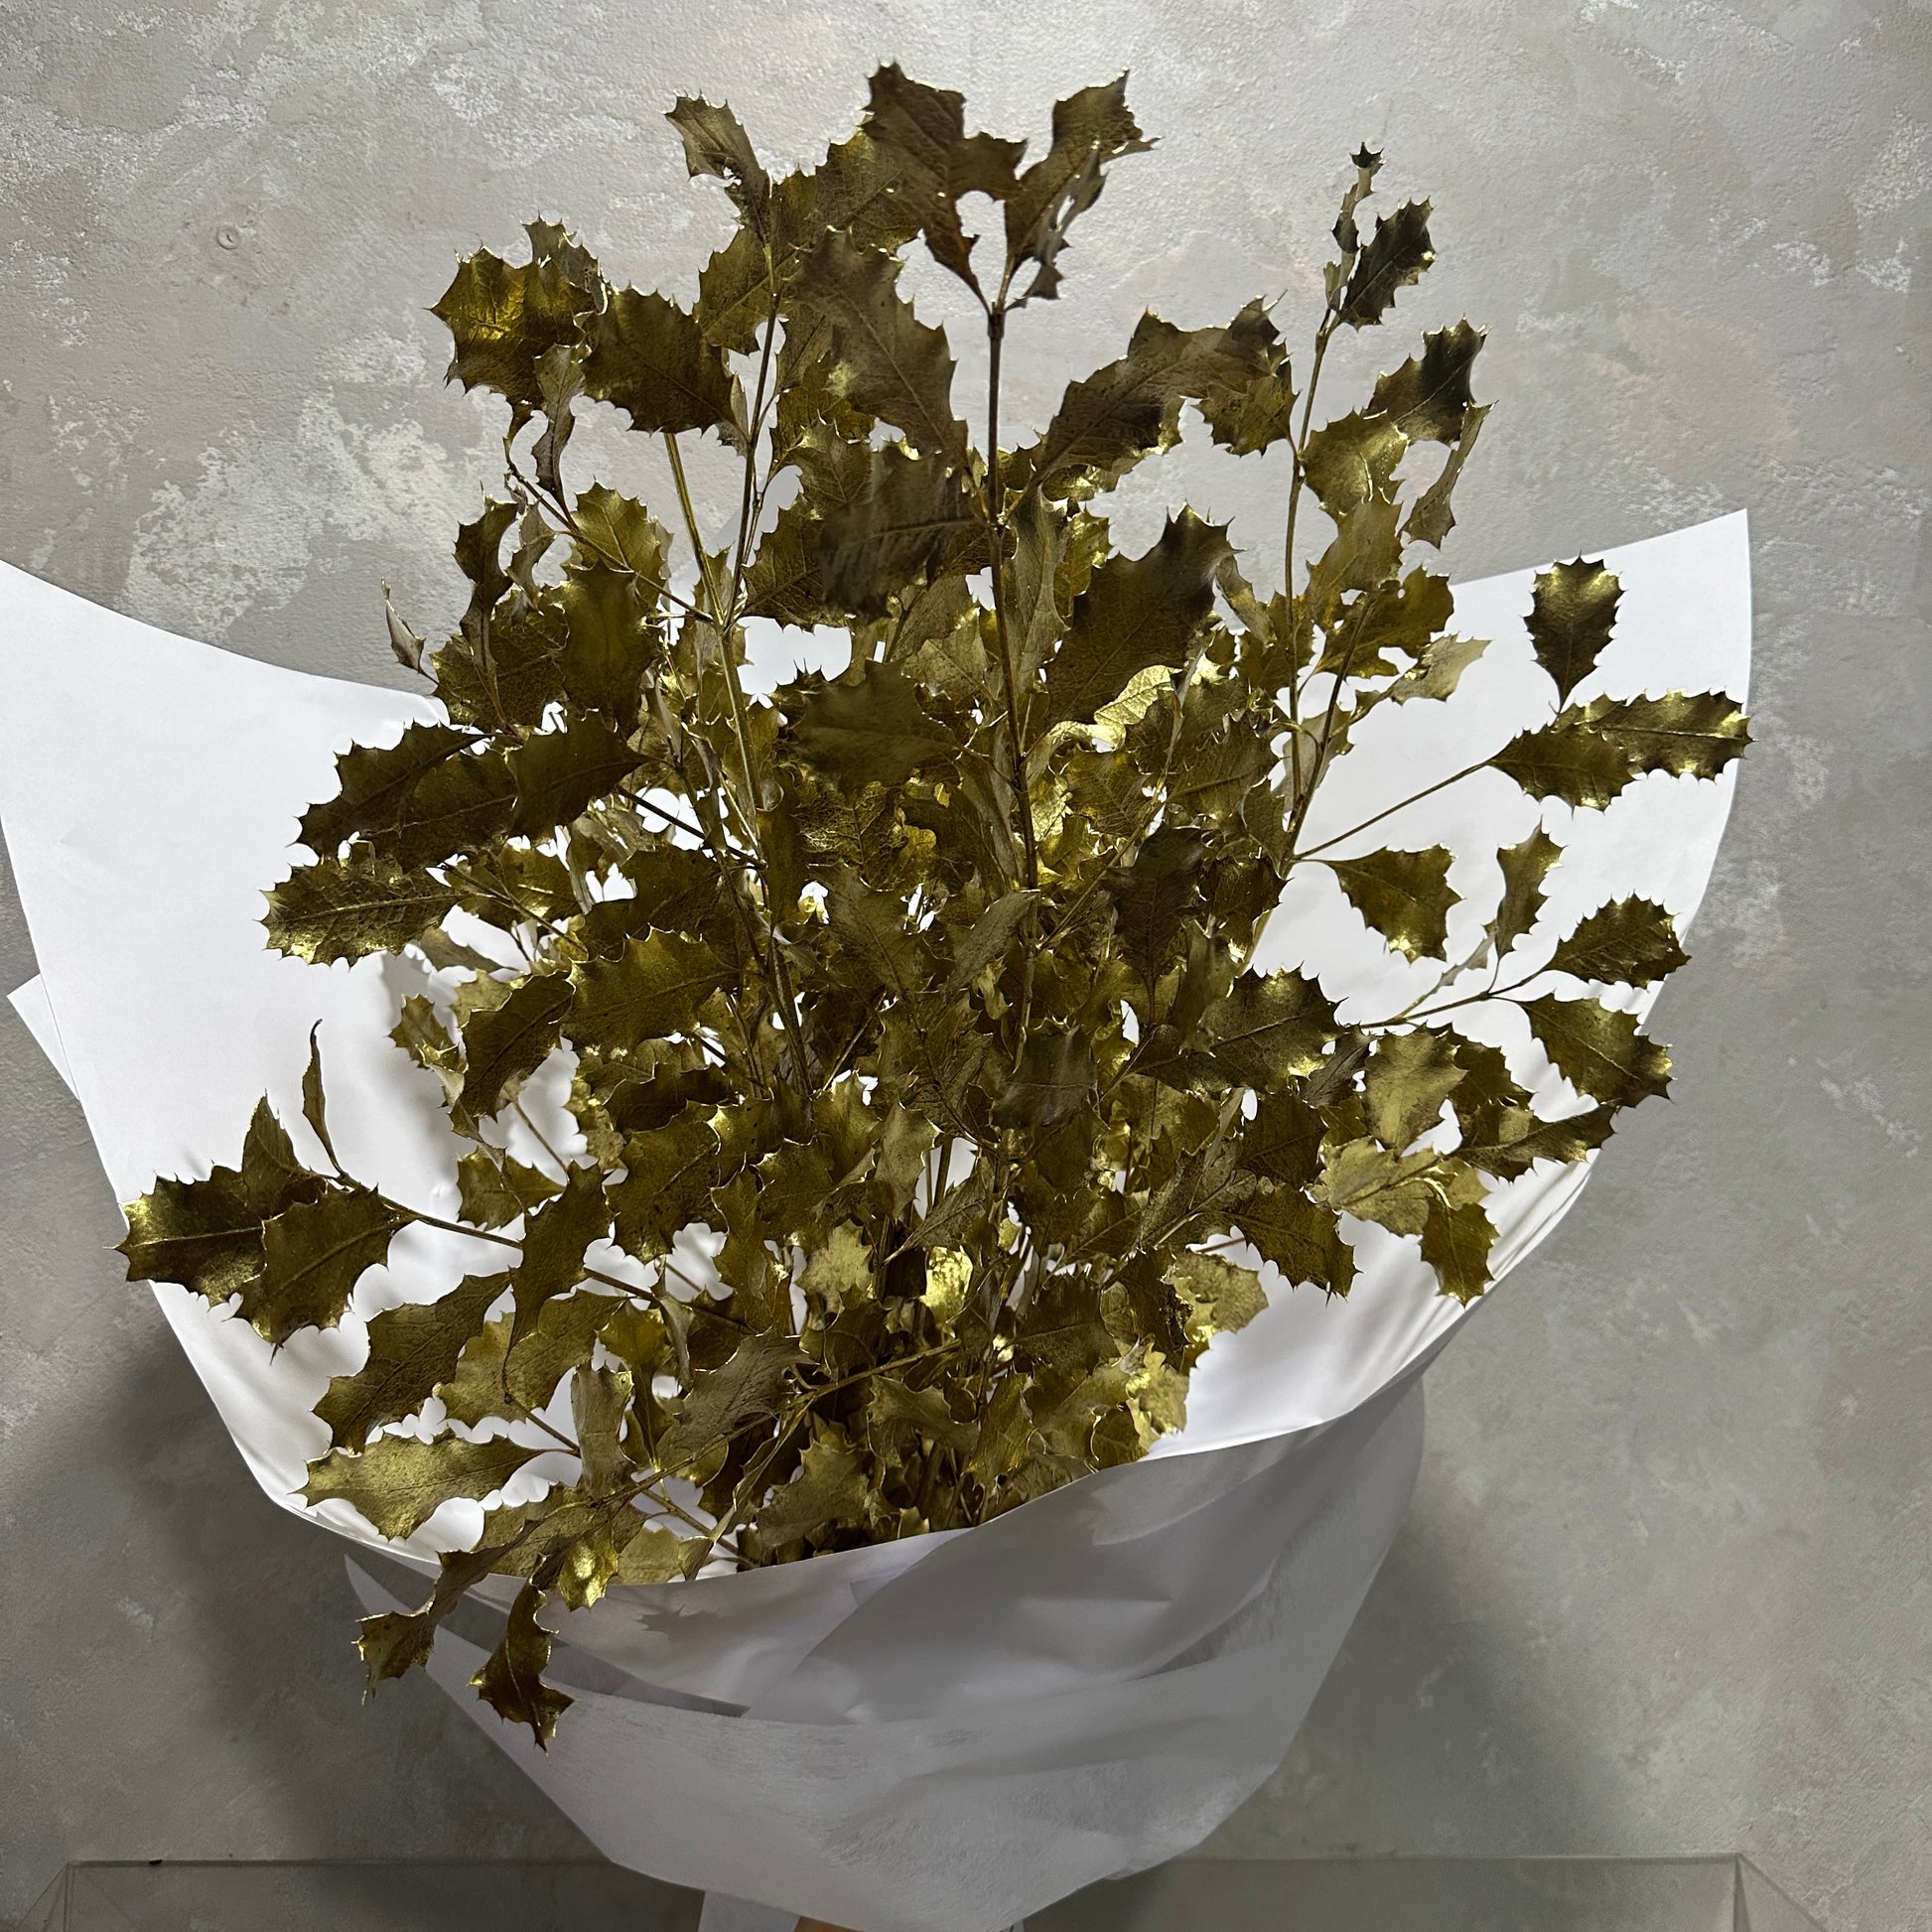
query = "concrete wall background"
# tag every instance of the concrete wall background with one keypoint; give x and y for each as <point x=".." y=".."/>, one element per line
<point x="1665" y="1584"/>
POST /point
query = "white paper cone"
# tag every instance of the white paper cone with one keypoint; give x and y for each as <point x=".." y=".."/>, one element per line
<point x="933" y="1735"/>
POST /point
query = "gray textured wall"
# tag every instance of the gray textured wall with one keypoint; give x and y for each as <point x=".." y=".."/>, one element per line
<point x="1665" y="1585"/>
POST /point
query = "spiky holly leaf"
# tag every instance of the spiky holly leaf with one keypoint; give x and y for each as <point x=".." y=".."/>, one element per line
<point x="558" y="774"/>
<point x="1091" y="129"/>
<point x="1455" y="1242"/>
<point x="555" y="1239"/>
<point x="1221" y="1295"/>
<point x="506" y="1044"/>
<point x="716" y="144"/>
<point x="746" y="1386"/>
<point x="503" y="319"/>
<point x="906" y="521"/>
<point x="313" y="1254"/>
<point x="830" y="1490"/>
<point x="411" y="1349"/>
<point x="651" y="991"/>
<point x="1409" y="1077"/>
<point x="1689" y="734"/>
<point x="1630" y="942"/>
<point x="869" y="728"/>
<point x="1434" y="517"/>
<point x="923" y="129"/>
<point x="561" y="1340"/>
<point x="1568" y="761"/>
<point x="511" y="1682"/>
<point x="344" y="909"/>
<point x="1395" y="255"/>
<point x="1152" y="896"/>
<point x="1428" y="398"/>
<point x="1573" y="609"/>
<point x="1271" y="1027"/>
<point x="649" y="358"/>
<point x="1405" y="896"/>
<point x="1353" y="460"/>
<point x="496" y="1188"/>
<point x="1110" y="420"/>
<point x="886" y="360"/>
<point x="1134" y="613"/>
<point x="1364" y="1178"/>
<point x="1526" y="864"/>
<point x="623" y="534"/>
<point x="1302" y="1239"/>
<point x="1054" y="1078"/>
<point x="398" y="1483"/>
<point x="1598" y="1050"/>
<point x="610" y="640"/>
<point x="990" y="934"/>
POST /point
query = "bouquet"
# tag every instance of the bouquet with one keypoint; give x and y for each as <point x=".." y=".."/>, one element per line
<point x="864" y="1097"/>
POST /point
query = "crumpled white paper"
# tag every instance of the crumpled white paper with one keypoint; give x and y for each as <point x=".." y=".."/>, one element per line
<point x="937" y="1735"/>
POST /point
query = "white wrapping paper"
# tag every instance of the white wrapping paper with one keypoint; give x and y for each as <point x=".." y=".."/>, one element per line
<point x="939" y="1734"/>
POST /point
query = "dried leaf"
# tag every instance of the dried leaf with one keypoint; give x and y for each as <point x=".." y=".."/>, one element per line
<point x="1525" y="867"/>
<point x="1600" y="1051"/>
<point x="399" y="1483"/>
<point x="313" y="1254"/>
<point x="1302" y="1239"/>
<point x="1091" y="129"/>
<point x="411" y="1349"/>
<point x="1455" y="1242"/>
<point x="1405" y="896"/>
<point x="1571" y="611"/>
<point x="1691" y="734"/>
<point x="1630" y="942"/>
<point x="1396" y="254"/>
<point x="869" y="728"/>
<point x="512" y="1679"/>
<point x="342" y="909"/>
<point x="649" y="358"/>
<point x="1409" y="1078"/>
<point x="887" y="362"/>
<point x="1135" y="611"/>
<point x="1271" y="1027"/>
<point x="1429" y="399"/>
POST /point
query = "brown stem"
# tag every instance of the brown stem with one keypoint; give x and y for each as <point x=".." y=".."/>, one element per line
<point x="996" y="330"/>
<point x="725" y="623"/>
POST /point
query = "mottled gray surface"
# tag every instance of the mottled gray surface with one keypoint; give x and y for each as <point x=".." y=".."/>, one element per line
<point x="1665" y="1585"/>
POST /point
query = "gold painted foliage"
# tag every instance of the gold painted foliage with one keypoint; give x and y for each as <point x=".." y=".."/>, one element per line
<point x="928" y="988"/>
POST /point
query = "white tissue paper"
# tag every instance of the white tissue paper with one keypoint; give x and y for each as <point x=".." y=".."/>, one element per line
<point x="937" y="1735"/>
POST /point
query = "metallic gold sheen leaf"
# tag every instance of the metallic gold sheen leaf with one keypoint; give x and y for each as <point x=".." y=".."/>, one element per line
<point x="1571" y="611"/>
<point x="1429" y="398"/>
<point x="342" y="909"/>
<point x="1302" y="1239"/>
<point x="649" y="358"/>
<point x="511" y="1682"/>
<point x="1526" y="866"/>
<point x="313" y="1254"/>
<point x="1630" y="942"/>
<point x="1396" y="254"/>
<point x="1136" y="612"/>
<point x="1455" y="1242"/>
<point x="399" y="1483"/>
<point x="411" y="1349"/>
<point x="1270" y="1027"/>
<point x="1405" y="896"/>
<point x="1600" y="1051"/>
<point x="1409" y="1078"/>
<point x="1690" y="735"/>
<point x="887" y="362"/>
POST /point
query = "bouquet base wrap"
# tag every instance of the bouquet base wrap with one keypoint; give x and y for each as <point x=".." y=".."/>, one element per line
<point x="939" y="1734"/>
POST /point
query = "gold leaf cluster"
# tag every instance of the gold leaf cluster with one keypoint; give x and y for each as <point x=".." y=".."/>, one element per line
<point x="924" y="993"/>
